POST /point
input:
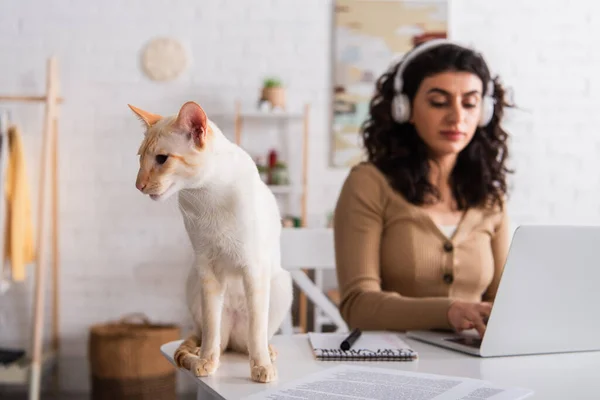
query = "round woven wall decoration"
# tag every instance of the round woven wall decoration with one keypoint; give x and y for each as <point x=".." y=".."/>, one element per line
<point x="164" y="59"/>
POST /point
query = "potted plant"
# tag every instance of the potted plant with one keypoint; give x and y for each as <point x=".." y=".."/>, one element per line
<point x="279" y="174"/>
<point x="273" y="92"/>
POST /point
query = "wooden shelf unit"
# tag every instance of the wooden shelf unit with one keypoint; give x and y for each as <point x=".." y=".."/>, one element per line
<point x="301" y="189"/>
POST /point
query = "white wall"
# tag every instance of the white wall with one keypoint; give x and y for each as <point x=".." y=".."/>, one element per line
<point x="120" y="252"/>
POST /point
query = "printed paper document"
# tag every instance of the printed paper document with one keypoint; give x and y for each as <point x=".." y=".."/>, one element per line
<point x="347" y="382"/>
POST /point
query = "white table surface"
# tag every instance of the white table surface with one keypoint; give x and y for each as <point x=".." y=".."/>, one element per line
<point x="554" y="376"/>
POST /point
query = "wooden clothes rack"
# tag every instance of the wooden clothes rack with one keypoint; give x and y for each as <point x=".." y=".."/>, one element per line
<point x="28" y="370"/>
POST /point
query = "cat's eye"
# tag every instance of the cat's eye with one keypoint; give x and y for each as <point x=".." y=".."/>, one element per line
<point x="161" y="158"/>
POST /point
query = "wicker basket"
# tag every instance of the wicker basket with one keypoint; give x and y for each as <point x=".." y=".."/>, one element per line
<point x="126" y="363"/>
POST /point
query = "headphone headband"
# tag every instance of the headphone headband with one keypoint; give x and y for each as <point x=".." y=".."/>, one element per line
<point x="424" y="47"/>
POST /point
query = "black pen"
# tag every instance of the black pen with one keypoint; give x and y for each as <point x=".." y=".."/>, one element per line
<point x="349" y="341"/>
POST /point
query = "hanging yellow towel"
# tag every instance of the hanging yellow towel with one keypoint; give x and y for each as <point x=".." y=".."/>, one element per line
<point x="19" y="247"/>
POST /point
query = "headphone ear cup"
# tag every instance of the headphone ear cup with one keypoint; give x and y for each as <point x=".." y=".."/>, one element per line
<point x="487" y="111"/>
<point x="401" y="108"/>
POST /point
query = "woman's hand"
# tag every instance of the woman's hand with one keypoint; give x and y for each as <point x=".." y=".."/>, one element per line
<point x="464" y="315"/>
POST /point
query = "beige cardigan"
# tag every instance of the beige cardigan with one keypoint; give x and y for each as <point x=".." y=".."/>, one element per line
<point x="396" y="269"/>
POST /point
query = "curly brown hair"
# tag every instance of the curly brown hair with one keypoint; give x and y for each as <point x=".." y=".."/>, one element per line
<point x="479" y="176"/>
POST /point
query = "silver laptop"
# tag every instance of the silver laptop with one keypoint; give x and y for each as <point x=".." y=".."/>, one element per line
<point x="548" y="300"/>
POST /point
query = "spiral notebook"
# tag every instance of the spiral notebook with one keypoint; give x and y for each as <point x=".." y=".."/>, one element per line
<point x="370" y="346"/>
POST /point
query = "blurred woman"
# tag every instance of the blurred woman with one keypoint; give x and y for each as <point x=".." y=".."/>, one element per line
<point x="421" y="227"/>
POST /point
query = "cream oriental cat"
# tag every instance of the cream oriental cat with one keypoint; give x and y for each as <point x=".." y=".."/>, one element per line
<point x="237" y="292"/>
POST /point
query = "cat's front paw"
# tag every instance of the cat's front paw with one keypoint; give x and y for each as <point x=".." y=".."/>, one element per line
<point x="204" y="367"/>
<point x="263" y="373"/>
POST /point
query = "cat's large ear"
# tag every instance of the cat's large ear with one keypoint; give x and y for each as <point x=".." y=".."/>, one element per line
<point x="148" y="118"/>
<point x="192" y="119"/>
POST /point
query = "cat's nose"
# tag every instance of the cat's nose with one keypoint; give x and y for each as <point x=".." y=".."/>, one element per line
<point x="140" y="185"/>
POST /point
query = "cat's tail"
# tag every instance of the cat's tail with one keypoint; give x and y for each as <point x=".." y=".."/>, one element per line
<point x="187" y="352"/>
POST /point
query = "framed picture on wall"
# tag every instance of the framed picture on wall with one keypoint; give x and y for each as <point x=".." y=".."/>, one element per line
<point x="368" y="35"/>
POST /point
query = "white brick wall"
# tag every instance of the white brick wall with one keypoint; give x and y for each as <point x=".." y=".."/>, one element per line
<point x="120" y="252"/>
